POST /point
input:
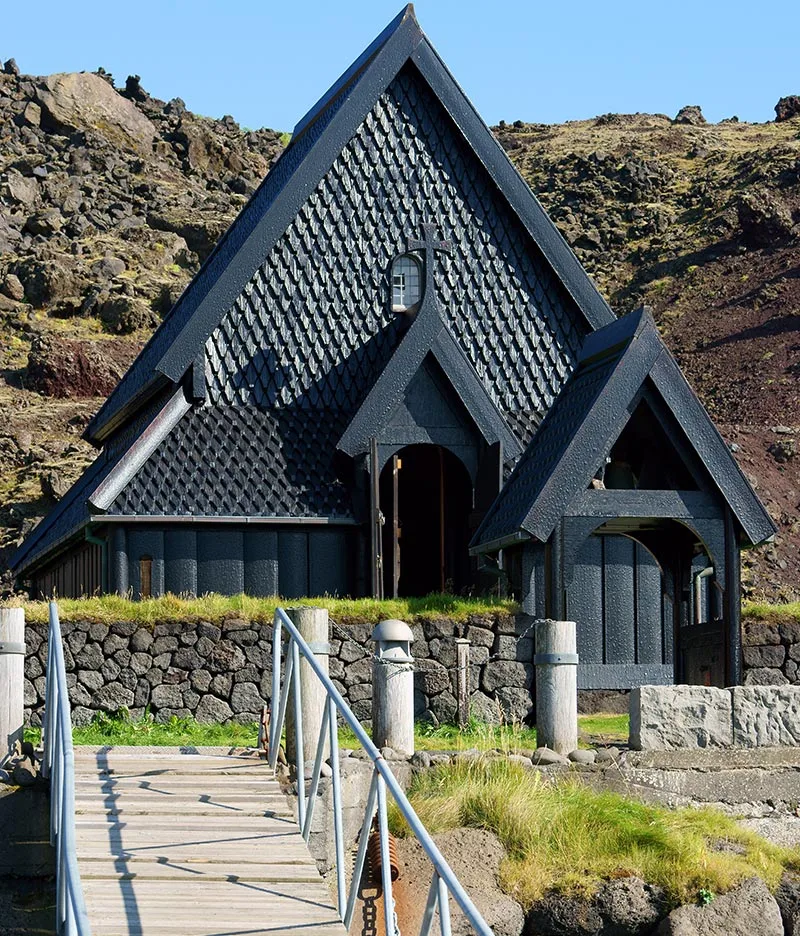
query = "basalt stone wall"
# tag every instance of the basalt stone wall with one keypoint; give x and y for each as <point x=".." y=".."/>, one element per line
<point x="771" y="653"/>
<point x="222" y="672"/>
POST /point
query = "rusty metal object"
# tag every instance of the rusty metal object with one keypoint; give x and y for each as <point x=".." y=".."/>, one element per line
<point x="374" y="855"/>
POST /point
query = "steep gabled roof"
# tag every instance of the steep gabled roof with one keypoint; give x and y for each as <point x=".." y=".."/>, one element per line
<point x="588" y="417"/>
<point x="319" y="138"/>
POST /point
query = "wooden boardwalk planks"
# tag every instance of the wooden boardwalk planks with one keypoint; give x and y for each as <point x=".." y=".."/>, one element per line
<point x="173" y="844"/>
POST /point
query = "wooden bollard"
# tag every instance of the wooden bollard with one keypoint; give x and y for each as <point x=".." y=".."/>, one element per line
<point x="12" y="675"/>
<point x="556" y="662"/>
<point x="393" y="687"/>
<point x="313" y="626"/>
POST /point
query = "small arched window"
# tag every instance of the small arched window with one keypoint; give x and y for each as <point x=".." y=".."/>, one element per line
<point x="406" y="284"/>
<point x="145" y="577"/>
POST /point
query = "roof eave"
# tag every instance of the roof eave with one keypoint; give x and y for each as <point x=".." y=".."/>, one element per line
<point x="502" y="542"/>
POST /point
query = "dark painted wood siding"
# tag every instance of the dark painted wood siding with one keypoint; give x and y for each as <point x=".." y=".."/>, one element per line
<point x="621" y="603"/>
<point x="74" y="575"/>
<point x="228" y="559"/>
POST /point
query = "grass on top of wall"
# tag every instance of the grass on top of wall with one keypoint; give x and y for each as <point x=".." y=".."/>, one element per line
<point x="567" y="837"/>
<point x="215" y="608"/>
<point x="122" y="729"/>
<point x="754" y="612"/>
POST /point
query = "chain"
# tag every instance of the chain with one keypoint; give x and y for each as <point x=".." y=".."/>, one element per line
<point x="343" y="635"/>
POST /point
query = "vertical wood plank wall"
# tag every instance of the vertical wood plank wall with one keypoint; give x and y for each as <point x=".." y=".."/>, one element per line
<point x="78" y="573"/>
<point x="632" y="621"/>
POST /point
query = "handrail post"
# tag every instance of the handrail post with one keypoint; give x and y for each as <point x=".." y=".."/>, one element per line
<point x="445" y="884"/>
<point x="393" y="687"/>
<point x="556" y="662"/>
<point x="312" y="625"/>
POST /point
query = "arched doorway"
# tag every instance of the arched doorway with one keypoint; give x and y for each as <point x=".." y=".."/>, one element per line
<point x="426" y="499"/>
<point x="646" y="595"/>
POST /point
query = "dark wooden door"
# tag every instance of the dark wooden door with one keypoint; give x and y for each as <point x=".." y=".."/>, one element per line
<point x="623" y="607"/>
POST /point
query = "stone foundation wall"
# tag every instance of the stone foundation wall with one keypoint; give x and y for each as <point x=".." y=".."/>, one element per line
<point x="771" y="653"/>
<point x="222" y="672"/>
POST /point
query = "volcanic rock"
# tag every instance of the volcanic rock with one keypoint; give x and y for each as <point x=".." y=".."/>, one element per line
<point x="76" y="368"/>
<point x="747" y="909"/>
<point x="13" y="288"/>
<point x="125" y="314"/>
<point x="44" y="281"/>
<point x="787" y="108"/>
<point x="73" y="102"/>
<point x="691" y="114"/>
<point x="764" y="218"/>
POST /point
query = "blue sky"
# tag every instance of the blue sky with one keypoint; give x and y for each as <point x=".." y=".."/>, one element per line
<point x="266" y="63"/>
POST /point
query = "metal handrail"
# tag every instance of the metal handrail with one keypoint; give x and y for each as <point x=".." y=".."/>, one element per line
<point x="444" y="882"/>
<point x="59" y="766"/>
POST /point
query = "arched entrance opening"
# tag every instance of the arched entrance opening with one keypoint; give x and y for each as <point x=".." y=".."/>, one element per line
<point x="646" y="595"/>
<point x="426" y="499"/>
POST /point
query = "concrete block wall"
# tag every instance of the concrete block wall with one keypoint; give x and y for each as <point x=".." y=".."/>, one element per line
<point x="681" y="717"/>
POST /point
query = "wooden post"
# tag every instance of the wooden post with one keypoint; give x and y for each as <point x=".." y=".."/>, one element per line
<point x="393" y="687"/>
<point x="313" y="626"/>
<point x="462" y="683"/>
<point x="12" y="675"/>
<point x="556" y="663"/>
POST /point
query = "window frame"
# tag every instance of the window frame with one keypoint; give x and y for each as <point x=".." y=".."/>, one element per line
<point x="405" y="308"/>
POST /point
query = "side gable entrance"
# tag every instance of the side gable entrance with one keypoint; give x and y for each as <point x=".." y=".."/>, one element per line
<point x="627" y="514"/>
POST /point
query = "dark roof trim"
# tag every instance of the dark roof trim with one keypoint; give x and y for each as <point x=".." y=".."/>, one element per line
<point x="588" y="445"/>
<point x="712" y="449"/>
<point x="427" y="335"/>
<point x="670" y="505"/>
<point x="103" y="425"/>
<point x="517" y="192"/>
<point x="271" y="226"/>
<point x="503" y="542"/>
<point x="272" y="223"/>
<point x="641" y="367"/>
<point x="371" y="416"/>
<point x="473" y="393"/>
<point x="143" y="447"/>
<point x="347" y="76"/>
<point x="404" y="41"/>
<point x="248" y="521"/>
<point x="54" y="549"/>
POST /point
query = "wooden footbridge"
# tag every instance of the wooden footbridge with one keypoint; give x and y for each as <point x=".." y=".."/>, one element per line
<point x="196" y="844"/>
<point x="158" y="842"/>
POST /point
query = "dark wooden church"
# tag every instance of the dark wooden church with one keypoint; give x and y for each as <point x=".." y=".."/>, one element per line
<point x="392" y="354"/>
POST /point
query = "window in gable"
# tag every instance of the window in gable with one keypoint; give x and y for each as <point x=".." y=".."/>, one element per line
<point x="406" y="284"/>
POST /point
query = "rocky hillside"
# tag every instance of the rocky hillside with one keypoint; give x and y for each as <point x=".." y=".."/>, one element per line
<point x="700" y="222"/>
<point x="110" y="200"/>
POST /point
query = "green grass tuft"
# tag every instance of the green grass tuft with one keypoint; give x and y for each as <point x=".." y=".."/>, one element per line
<point x="477" y="735"/>
<point x="605" y="728"/>
<point x="564" y="836"/>
<point x="214" y="608"/>
<point x="121" y="729"/>
<point x="183" y="732"/>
